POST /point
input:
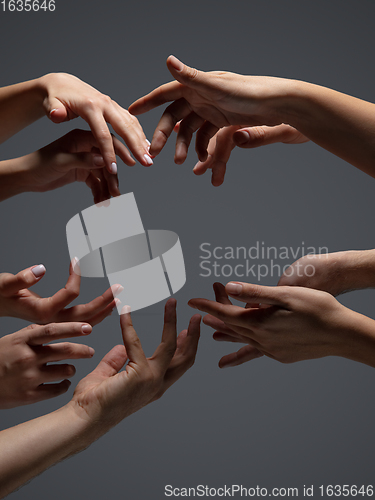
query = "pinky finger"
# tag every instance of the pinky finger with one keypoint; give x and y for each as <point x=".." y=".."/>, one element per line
<point x="246" y="353"/>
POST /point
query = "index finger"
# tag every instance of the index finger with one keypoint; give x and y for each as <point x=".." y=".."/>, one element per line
<point x="132" y="343"/>
<point x="41" y="334"/>
<point x="165" y="93"/>
<point x="165" y="351"/>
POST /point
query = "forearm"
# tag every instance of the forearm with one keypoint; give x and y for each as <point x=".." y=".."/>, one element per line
<point x="355" y="269"/>
<point x="20" y="105"/>
<point x="28" y="449"/>
<point x="342" y="124"/>
<point x="14" y="176"/>
<point x="357" y="339"/>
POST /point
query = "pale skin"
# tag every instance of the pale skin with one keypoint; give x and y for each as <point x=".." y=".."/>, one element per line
<point x="101" y="400"/>
<point x="259" y="110"/>
<point x="63" y="97"/>
<point x="73" y="157"/>
<point x="286" y="323"/>
<point x="26" y="371"/>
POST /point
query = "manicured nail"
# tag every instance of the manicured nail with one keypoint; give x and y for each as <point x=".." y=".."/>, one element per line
<point x="117" y="302"/>
<point x="116" y="290"/>
<point x="86" y="329"/>
<point x="148" y="159"/>
<point x="233" y="288"/>
<point x="125" y="310"/>
<point x="91" y="351"/>
<point x="53" y="110"/>
<point x="98" y="160"/>
<point x="178" y="66"/>
<point x="242" y="137"/>
<point x="38" y="271"/>
<point x="148" y="143"/>
<point x="113" y="168"/>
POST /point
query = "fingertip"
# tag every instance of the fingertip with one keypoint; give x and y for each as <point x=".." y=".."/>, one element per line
<point x="38" y="271"/>
<point x="125" y="311"/>
<point x="174" y="63"/>
<point x="86" y="329"/>
<point x="241" y="138"/>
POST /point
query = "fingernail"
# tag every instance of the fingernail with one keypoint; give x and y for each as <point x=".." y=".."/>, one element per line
<point x="125" y="310"/>
<point x="233" y="288"/>
<point x="91" y="351"/>
<point x="75" y="265"/>
<point x="116" y="290"/>
<point x="53" y="110"/>
<point x="117" y="302"/>
<point x="242" y="137"/>
<point x="98" y="160"/>
<point x="178" y="66"/>
<point x="148" y="159"/>
<point x="38" y="271"/>
<point x="113" y="168"/>
<point x="86" y="329"/>
<point x="148" y="143"/>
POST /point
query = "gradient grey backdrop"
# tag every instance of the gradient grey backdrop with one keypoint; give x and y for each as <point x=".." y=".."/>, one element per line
<point x="263" y="423"/>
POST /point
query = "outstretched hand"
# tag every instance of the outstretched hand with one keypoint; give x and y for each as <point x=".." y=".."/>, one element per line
<point x="18" y="301"/>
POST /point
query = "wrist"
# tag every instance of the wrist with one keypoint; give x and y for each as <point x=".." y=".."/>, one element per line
<point x="13" y="177"/>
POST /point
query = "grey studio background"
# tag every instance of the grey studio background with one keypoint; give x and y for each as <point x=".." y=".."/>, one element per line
<point x="263" y="423"/>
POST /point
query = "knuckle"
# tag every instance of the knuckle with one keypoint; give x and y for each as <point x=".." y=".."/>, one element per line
<point x="51" y="329"/>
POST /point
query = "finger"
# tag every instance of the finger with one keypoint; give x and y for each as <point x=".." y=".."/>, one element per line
<point x="221" y="294"/>
<point x="203" y="137"/>
<point x="64" y="350"/>
<point x="53" y="373"/>
<point x="129" y="128"/>
<point x="187" y="127"/>
<point x="223" y="148"/>
<point x="165" y="93"/>
<point x="253" y="137"/>
<point x="271" y="295"/>
<point x="103" y="138"/>
<point x="224" y="337"/>
<point x="104" y="192"/>
<point x="41" y="334"/>
<point x="94" y="184"/>
<point x="131" y="341"/>
<point x="165" y="351"/>
<point x="112" y="362"/>
<point x="228" y="329"/>
<point x="55" y="110"/>
<point x="48" y="391"/>
<point x="185" y="74"/>
<point x="175" y="112"/>
<point x="112" y="183"/>
<point x="10" y="284"/>
<point x="246" y="353"/>
<point x="123" y="152"/>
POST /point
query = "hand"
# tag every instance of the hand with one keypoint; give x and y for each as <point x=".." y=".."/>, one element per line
<point x="335" y="273"/>
<point x="292" y="324"/>
<point x="207" y="102"/>
<point x="18" y="301"/>
<point x="108" y="395"/>
<point x="73" y="157"/>
<point x="67" y="97"/>
<point x="25" y="376"/>
<point x="222" y="144"/>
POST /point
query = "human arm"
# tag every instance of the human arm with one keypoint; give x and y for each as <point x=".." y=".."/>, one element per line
<point x="335" y="273"/>
<point x="16" y="300"/>
<point x="292" y="324"/>
<point x="206" y="102"/>
<point x="63" y="97"/>
<point x="101" y="400"/>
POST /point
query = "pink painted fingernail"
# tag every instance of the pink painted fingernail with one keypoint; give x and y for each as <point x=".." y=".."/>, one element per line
<point x="148" y="159"/>
<point x="125" y="310"/>
<point x="148" y="143"/>
<point x="38" y="271"/>
<point x="233" y="288"/>
<point x="117" y="302"/>
<point x="116" y="290"/>
<point x="86" y="329"/>
<point x="113" y="168"/>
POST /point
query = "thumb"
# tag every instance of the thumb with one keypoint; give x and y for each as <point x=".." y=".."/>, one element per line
<point x="10" y="284"/>
<point x="184" y="74"/>
<point x="55" y="110"/>
<point x="112" y="362"/>
<point x="246" y="292"/>
<point x="253" y="137"/>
